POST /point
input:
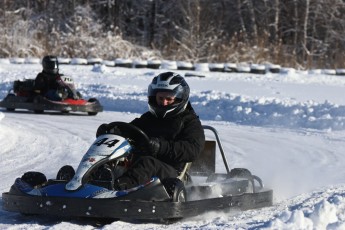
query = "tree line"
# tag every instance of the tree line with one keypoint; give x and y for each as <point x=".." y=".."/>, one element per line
<point x="293" y="33"/>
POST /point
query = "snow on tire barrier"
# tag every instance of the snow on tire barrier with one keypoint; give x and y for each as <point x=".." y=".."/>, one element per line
<point x="4" y="61"/>
<point x="64" y="60"/>
<point x="154" y="64"/>
<point x="78" y="61"/>
<point x="139" y="63"/>
<point x="108" y="63"/>
<point x="17" y="60"/>
<point x="202" y="67"/>
<point x="340" y="72"/>
<point x="242" y="67"/>
<point x="216" y="67"/>
<point x="230" y="67"/>
<point x="94" y="61"/>
<point x="167" y="64"/>
<point x="184" y="65"/>
<point x="258" y="69"/>
<point x="329" y="71"/>
<point x="123" y="62"/>
<point x="32" y="61"/>
<point x="273" y="68"/>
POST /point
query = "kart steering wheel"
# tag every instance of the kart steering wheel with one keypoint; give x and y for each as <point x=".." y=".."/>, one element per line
<point x="132" y="132"/>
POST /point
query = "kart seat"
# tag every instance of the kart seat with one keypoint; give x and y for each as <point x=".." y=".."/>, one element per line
<point x="203" y="166"/>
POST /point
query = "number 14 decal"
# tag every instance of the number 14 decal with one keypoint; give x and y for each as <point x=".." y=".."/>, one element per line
<point x="105" y="141"/>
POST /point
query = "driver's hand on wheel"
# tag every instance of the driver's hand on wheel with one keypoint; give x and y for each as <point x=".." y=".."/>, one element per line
<point x="151" y="150"/>
<point x="154" y="146"/>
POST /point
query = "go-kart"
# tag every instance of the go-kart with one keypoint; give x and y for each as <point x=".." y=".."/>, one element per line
<point x="23" y="96"/>
<point x="196" y="190"/>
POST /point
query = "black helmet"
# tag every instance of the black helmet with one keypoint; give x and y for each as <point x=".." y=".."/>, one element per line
<point x="50" y="64"/>
<point x="168" y="82"/>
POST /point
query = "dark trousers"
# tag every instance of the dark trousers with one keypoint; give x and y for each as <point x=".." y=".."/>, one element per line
<point x="142" y="170"/>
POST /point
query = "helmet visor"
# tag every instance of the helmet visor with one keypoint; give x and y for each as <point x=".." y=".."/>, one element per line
<point x="50" y="65"/>
<point x="165" y="98"/>
<point x="176" y="93"/>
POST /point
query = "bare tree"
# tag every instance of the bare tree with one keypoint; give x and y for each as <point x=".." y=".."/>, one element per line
<point x="240" y="16"/>
<point x="306" y="52"/>
<point x="253" y="25"/>
<point x="301" y="33"/>
<point x="275" y="23"/>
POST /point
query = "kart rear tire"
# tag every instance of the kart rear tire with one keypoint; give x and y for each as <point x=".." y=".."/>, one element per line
<point x="180" y="194"/>
<point x="175" y="189"/>
<point x="92" y="113"/>
<point x="10" y="109"/>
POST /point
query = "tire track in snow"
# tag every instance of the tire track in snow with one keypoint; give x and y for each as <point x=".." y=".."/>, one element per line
<point x="45" y="142"/>
<point x="30" y="142"/>
<point x="287" y="160"/>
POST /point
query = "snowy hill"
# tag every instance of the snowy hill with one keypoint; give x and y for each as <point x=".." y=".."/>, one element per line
<point x="287" y="128"/>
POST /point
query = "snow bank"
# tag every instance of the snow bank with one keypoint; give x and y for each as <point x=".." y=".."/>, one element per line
<point x="212" y="105"/>
<point x="318" y="210"/>
<point x="220" y="106"/>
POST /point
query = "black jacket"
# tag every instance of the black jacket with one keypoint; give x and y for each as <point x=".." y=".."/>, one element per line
<point x="181" y="137"/>
<point x="45" y="81"/>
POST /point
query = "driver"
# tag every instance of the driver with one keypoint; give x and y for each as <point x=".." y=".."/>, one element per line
<point x="175" y="132"/>
<point x="48" y="82"/>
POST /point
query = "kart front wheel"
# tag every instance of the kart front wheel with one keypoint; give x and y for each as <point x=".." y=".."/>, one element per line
<point x="9" y="97"/>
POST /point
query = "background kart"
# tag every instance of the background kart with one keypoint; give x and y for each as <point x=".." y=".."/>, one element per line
<point x="22" y="96"/>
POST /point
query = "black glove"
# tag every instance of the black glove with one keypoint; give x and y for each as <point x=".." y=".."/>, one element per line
<point x="151" y="150"/>
<point x="154" y="146"/>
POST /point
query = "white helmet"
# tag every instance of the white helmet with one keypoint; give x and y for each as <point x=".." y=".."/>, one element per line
<point x="177" y="86"/>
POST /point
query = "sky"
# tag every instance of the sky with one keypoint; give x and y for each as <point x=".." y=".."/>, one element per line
<point x="288" y="128"/>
